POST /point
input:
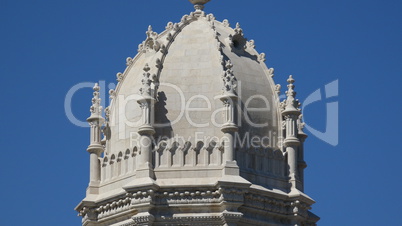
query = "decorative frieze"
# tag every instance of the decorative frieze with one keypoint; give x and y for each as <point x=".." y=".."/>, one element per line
<point x="189" y="197"/>
<point x="146" y="196"/>
<point x="114" y="207"/>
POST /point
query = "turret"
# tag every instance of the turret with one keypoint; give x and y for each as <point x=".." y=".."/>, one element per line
<point x="229" y="128"/>
<point x="146" y="130"/>
<point x="95" y="147"/>
<point x="291" y="113"/>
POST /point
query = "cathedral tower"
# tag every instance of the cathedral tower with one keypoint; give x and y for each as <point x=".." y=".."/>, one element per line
<point x="195" y="134"/>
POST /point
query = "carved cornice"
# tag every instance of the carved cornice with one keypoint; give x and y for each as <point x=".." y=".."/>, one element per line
<point x="250" y="199"/>
<point x="143" y="219"/>
<point x="114" y="207"/>
<point x="189" y="197"/>
<point x="277" y="206"/>
<point x="145" y="196"/>
<point x="210" y="220"/>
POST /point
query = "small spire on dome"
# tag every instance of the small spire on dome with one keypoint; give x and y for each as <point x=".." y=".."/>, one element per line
<point x="96" y="108"/>
<point x="291" y="94"/>
<point x="199" y="4"/>
<point x="291" y="103"/>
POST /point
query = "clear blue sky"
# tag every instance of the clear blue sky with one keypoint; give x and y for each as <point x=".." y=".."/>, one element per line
<point x="48" y="46"/>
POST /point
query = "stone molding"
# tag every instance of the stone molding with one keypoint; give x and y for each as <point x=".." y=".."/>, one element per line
<point x="253" y="200"/>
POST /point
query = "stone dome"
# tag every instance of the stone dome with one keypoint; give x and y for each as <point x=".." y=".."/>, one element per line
<point x="188" y="61"/>
<point x="195" y="134"/>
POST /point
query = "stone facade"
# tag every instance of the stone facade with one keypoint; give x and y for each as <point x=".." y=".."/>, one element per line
<point x="195" y="134"/>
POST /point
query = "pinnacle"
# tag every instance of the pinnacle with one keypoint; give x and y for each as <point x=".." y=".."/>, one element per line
<point x="290" y="79"/>
<point x="96" y="87"/>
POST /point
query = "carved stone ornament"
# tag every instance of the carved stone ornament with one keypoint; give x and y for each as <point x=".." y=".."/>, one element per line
<point x="229" y="80"/>
<point x="184" y="19"/>
<point x="163" y="49"/>
<point x="151" y="43"/>
<point x="278" y="88"/>
<point x="107" y="113"/>
<point x="251" y="44"/>
<point x="96" y="108"/>
<point x="212" y="24"/>
<point x="271" y="71"/>
<point x="291" y="104"/>
<point x="146" y="81"/>
<point x="221" y="60"/>
<point x="112" y="94"/>
<point x="176" y="27"/>
<point x="129" y="61"/>
<point x="238" y="30"/>
<point x="210" y="17"/>
<point x="237" y="40"/>
<point x="117" y="206"/>
<point x="119" y="77"/>
<point x="226" y="23"/>
<point x="169" y="26"/>
<point x="150" y="33"/>
<point x="300" y="124"/>
<point x="159" y="64"/>
<point x="261" y="57"/>
<point x="169" y="37"/>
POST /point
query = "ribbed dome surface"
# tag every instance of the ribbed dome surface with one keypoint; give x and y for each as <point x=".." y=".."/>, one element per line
<point x="188" y="60"/>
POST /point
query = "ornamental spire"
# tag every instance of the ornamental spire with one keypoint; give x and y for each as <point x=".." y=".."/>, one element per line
<point x="199" y="4"/>
<point x="291" y="104"/>
<point x="96" y="108"/>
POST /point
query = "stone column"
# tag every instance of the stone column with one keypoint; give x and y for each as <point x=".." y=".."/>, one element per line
<point x="291" y="144"/>
<point x="95" y="148"/>
<point x="229" y="128"/>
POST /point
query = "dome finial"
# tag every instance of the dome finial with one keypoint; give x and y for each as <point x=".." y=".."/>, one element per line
<point x="199" y="4"/>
